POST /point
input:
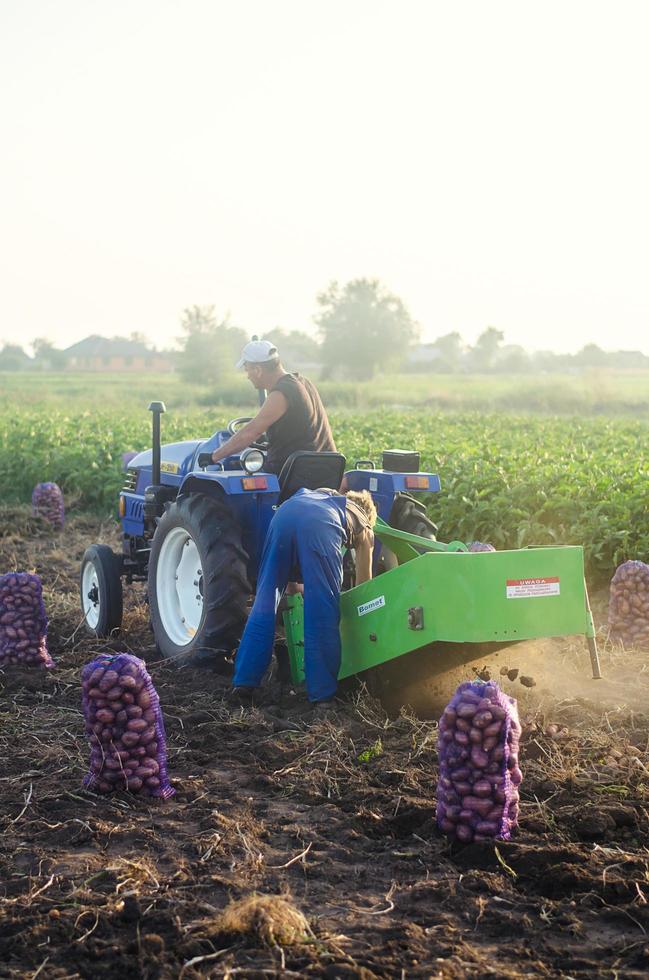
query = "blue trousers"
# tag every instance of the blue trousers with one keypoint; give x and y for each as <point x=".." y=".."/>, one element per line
<point x="307" y="530"/>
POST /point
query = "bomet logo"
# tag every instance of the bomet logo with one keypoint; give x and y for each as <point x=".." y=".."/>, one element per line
<point x="371" y="605"/>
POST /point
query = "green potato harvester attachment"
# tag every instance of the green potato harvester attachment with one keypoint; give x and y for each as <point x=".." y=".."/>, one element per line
<point x="441" y="608"/>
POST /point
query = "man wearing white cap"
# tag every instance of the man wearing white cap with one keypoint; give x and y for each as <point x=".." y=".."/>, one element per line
<point x="293" y="415"/>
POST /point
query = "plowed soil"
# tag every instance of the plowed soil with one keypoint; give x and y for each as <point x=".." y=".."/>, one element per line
<point x="337" y="817"/>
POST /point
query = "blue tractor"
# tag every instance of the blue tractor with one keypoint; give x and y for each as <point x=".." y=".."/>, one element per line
<point x="194" y="532"/>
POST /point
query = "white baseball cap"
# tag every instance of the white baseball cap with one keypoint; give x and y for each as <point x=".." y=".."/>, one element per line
<point x="256" y="352"/>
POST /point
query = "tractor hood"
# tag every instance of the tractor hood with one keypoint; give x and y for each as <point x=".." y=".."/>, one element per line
<point x="175" y="457"/>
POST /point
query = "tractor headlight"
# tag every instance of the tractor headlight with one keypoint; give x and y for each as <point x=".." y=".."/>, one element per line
<point x="252" y="460"/>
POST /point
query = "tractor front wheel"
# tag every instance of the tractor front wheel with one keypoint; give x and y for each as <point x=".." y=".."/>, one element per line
<point x="198" y="584"/>
<point x="101" y="590"/>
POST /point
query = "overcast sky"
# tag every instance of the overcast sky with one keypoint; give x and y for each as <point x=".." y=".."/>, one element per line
<point x="488" y="161"/>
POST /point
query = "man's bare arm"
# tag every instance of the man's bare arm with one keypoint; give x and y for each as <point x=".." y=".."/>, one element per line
<point x="363" y="545"/>
<point x="273" y="408"/>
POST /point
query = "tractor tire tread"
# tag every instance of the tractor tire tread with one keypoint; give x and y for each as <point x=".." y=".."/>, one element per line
<point x="224" y="562"/>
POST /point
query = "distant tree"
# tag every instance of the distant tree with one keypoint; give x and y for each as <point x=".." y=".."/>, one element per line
<point x="483" y="355"/>
<point x="294" y="345"/>
<point x="591" y="356"/>
<point x="210" y="346"/>
<point x="632" y="359"/>
<point x="137" y="337"/>
<point x="46" y="356"/>
<point x="13" y="358"/>
<point x="363" y="327"/>
<point x="451" y="351"/>
<point x="512" y="359"/>
<point x="546" y="360"/>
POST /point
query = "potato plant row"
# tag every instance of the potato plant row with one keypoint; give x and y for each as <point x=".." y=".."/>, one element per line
<point x="511" y="481"/>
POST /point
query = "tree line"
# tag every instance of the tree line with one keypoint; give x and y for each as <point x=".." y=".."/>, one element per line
<point x="362" y="329"/>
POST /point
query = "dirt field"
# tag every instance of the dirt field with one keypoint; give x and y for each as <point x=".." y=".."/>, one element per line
<point x="336" y="818"/>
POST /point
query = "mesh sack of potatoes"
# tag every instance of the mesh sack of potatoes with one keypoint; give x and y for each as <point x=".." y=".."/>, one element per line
<point x="125" y="728"/>
<point x="480" y="546"/>
<point x="479" y="776"/>
<point x="47" y="502"/>
<point x="628" y="606"/>
<point x="23" y="621"/>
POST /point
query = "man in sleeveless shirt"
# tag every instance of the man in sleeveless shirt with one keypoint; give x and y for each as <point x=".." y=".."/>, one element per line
<point x="293" y="415"/>
<point x="309" y="531"/>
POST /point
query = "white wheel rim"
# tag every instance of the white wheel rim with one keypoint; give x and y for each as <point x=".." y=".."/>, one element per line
<point x="91" y="595"/>
<point x="179" y="586"/>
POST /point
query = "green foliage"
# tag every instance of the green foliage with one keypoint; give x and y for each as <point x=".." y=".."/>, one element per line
<point x="373" y="752"/>
<point x="533" y="481"/>
<point x="363" y="327"/>
<point x="510" y="480"/>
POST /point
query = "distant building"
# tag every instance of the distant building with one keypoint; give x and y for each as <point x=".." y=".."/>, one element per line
<point x="116" y="354"/>
<point x="422" y="355"/>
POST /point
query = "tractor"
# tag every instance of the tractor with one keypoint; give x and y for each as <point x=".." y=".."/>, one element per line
<point x="194" y="532"/>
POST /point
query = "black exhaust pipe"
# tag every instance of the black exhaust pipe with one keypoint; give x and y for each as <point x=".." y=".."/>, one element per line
<point x="157" y="409"/>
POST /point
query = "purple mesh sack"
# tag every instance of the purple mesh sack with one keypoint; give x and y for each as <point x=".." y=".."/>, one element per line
<point x="127" y="457"/>
<point x="480" y="546"/>
<point x="477" y="791"/>
<point x="628" y="606"/>
<point x="47" y="502"/>
<point x="23" y="621"/>
<point x="128" y="748"/>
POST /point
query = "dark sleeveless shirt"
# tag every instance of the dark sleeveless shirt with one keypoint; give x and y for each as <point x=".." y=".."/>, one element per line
<point x="304" y="425"/>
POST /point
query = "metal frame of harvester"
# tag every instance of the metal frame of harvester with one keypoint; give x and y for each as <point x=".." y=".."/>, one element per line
<point x="441" y="594"/>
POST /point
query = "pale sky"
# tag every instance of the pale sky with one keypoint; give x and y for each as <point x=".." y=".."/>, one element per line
<point x="488" y="161"/>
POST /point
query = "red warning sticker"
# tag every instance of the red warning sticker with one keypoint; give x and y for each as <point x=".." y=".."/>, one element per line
<point x="528" y="588"/>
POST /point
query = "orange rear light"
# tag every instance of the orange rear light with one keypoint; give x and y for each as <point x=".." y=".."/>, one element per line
<point x="254" y="483"/>
<point x="122" y="506"/>
<point x="417" y="482"/>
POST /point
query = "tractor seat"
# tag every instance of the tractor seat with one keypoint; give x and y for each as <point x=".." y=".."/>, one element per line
<point x="311" y="471"/>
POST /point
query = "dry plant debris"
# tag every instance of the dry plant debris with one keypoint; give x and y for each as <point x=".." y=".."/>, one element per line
<point x="271" y="805"/>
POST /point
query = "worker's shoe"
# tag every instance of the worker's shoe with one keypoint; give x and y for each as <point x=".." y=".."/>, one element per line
<point x="324" y="709"/>
<point x="242" y="696"/>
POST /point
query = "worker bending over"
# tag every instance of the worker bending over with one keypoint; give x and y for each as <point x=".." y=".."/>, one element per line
<point x="308" y="531"/>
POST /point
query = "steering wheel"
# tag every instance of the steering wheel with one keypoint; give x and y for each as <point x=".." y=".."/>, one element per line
<point x="235" y="424"/>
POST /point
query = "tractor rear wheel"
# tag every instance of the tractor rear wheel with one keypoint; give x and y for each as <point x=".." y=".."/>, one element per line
<point x="409" y="515"/>
<point x="198" y="582"/>
<point x="101" y="590"/>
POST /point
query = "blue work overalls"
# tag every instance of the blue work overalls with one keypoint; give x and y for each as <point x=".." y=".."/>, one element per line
<point x="308" y="530"/>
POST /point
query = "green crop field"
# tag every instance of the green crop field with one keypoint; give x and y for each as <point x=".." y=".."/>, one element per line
<point x="593" y="392"/>
<point x="508" y="479"/>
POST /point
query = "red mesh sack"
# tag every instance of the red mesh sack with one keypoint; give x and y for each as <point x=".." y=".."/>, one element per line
<point x="23" y="621"/>
<point x="47" y="502"/>
<point x="628" y="606"/>
<point x="125" y="728"/>
<point x="479" y="776"/>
